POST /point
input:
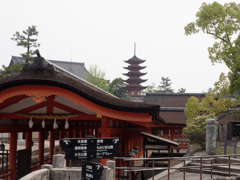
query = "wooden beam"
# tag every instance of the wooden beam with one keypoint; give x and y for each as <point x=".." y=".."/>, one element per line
<point x="9" y="129"/>
<point x="12" y="100"/>
<point x="66" y="108"/>
<point x="33" y="108"/>
<point x="81" y="117"/>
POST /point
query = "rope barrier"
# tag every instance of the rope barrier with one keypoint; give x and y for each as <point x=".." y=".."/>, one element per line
<point x="49" y="116"/>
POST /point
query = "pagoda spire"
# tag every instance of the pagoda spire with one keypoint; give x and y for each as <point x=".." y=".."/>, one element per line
<point x="134" y="49"/>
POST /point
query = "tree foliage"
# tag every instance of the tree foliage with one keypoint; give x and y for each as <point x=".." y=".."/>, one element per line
<point x="151" y="89"/>
<point x="15" y="68"/>
<point x="212" y="105"/>
<point x="181" y="90"/>
<point x="117" y="88"/>
<point x="223" y="23"/>
<point x="96" y="76"/>
<point x="165" y="85"/>
<point x="27" y="41"/>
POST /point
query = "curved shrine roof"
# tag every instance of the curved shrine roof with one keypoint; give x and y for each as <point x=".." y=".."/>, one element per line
<point x="56" y="76"/>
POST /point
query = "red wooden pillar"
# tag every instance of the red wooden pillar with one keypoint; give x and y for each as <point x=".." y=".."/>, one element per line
<point x="29" y="140"/>
<point x="61" y="136"/>
<point x="80" y="133"/>
<point x="52" y="144"/>
<point x="172" y="132"/>
<point x="104" y="134"/>
<point x="68" y="133"/>
<point x="41" y="148"/>
<point x="86" y="132"/>
<point x="12" y="154"/>
<point x="75" y="133"/>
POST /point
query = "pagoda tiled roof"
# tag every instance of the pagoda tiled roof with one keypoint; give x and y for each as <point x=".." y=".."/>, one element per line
<point x="135" y="59"/>
<point x="131" y="73"/>
<point x="136" y="87"/>
<point x="135" y="67"/>
<point x="135" y="80"/>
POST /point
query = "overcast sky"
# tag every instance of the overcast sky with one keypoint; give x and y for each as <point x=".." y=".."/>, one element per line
<point x="104" y="32"/>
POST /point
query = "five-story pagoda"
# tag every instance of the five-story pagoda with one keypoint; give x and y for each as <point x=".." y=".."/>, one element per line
<point x="134" y="75"/>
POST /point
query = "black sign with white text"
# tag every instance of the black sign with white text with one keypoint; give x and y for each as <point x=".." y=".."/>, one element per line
<point x="91" y="170"/>
<point x="90" y="148"/>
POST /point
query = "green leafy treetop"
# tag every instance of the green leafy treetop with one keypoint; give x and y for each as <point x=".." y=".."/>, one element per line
<point x="15" y="68"/>
<point x="214" y="104"/>
<point x="181" y="90"/>
<point x="223" y="23"/>
<point x="118" y="88"/>
<point x="26" y="40"/>
<point x="96" y="76"/>
<point x="165" y="85"/>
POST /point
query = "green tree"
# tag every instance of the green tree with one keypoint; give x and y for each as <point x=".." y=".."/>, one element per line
<point x="223" y="23"/>
<point x="165" y="85"/>
<point x="150" y="89"/>
<point x="96" y="76"/>
<point x="15" y="68"/>
<point x="215" y="104"/>
<point x="118" y="88"/>
<point x="181" y="90"/>
<point x="26" y="40"/>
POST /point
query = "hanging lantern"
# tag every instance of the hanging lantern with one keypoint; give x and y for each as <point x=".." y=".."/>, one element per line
<point x="43" y="123"/>
<point x="55" y="126"/>
<point x="30" y="123"/>
<point x="66" y="124"/>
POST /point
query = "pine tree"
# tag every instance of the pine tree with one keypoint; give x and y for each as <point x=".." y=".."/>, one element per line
<point x="26" y="40"/>
<point x="165" y="85"/>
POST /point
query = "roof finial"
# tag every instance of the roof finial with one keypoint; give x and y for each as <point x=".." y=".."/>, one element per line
<point x="134" y="49"/>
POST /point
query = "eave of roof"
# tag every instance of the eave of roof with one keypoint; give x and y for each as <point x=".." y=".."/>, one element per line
<point x="75" y="84"/>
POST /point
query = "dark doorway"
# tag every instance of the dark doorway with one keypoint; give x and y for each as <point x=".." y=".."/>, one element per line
<point x="23" y="162"/>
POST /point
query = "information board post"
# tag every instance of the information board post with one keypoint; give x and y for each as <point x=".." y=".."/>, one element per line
<point x="89" y="148"/>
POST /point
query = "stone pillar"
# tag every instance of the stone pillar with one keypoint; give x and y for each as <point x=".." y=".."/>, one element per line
<point x="20" y="141"/>
<point x="224" y="132"/>
<point x="59" y="161"/>
<point x="111" y="165"/>
<point x="210" y="137"/>
<point x="219" y="132"/>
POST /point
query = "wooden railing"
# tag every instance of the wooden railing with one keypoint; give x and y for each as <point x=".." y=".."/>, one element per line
<point x="37" y="165"/>
<point x="5" y="174"/>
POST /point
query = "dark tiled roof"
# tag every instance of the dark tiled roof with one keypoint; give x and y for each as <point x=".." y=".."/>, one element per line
<point x="135" y="59"/>
<point x="75" y="68"/>
<point x="176" y="94"/>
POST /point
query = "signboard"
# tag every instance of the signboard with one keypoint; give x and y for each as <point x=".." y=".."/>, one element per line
<point x="90" y="148"/>
<point x="91" y="170"/>
<point x="235" y="128"/>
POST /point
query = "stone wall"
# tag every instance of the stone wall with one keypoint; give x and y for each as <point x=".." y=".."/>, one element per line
<point x="59" y="171"/>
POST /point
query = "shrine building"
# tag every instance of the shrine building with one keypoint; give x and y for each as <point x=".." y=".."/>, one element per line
<point x="44" y="97"/>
